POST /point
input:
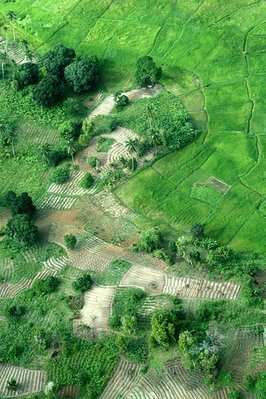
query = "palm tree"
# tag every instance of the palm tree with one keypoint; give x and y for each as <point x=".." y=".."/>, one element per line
<point x="3" y="60"/>
<point x="155" y="138"/>
<point x="132" y="146"/>
<point x="11" y="15"/>
<point x="28" y="52"/>
<point x="6" y="41"/>
<point x="149" y="115"/>
<point x="71" y="150"/>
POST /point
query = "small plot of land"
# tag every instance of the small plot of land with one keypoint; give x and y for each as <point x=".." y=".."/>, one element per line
<point x="126" y="376"/>
<point x="29" y="380"/>
<point x="97" y="309"/>
<point x="51" y="267"/>
<point x="105" y="108"/>
<point x="56" y="202"/>
<point x="71" y="187"/>
<point x="199" y="288"/>
<point x="174" y="382"/>
<point x="144" y="277"/>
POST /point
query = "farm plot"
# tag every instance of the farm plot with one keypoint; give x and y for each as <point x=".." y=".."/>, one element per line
<point x="31" y="133"/>
<point x="29" y="381"/>
<point x="94" y="254"/>
<point x="51" y="267"/>
<point x="174" y="382"/>
<point x="56" y="202"/>
<point x="140" y="93"/>
<point x="144" y="277"/>
<point x="71" y="187"/>
<point x="107" y="201"/>
<point x="241" y="346"/>
<point x="97" y="309"/>
<point x="105" y="108"/>
<point x="126" y="376"/>
<point x="198" y="288"/>
<point x="6" y="269"/>
<point x="118" y="149"/>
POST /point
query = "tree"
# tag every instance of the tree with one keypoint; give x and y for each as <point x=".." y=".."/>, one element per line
<point x="147" y="73"/>
<point x="121" y="102"/>
<point x="4" y="60"/>
<point x="87" y="181"/>
<point x="70" y="241"/>
<point x="197" y="230"/>
<point x="21" y="204"/>
<point x="233" y="394"/>
<point x="11" y="15"/>
<point x="15" y="312"/>
<point x="48" y="91"/>
<point x="57" y="59"/>
<point x="7" y="136"/>
<point x="60" y="175"/>
<point x="83" y="283"/>
<point x="150" y="240"/>
<point x="186" y="342"/>
<point x="129" y="323"/>
<point x="70" y="130"/>
<point x="154" y="138"/>
<point x="164" y="327"/>
<point x="12" y="385"/>
<point x="27" y="74"/>
<point x="51" y="155"/>
<point x="22" y="230"/>
<point x="83" y="75"/>
<point x="132" y="146"/>
<point x="46" y="286"/>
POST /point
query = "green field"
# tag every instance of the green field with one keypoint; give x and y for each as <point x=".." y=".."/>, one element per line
<point x="212" y="54"/>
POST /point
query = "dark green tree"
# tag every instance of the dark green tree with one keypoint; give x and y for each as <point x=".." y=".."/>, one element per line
<point x="83" y="283"/>
<point x="46" y="286"/>
<point x="60" y="175"/>
<point x="56" y="60"/>
<point x="164" y="327"/>
<point x="52" y="156"/>
<point x="121" y="102"/>
<point x="70" y="241"/>
<point x="11" y="15"/>
<point x="48" y="91"/>
<point x="26" y="74"/>
<point x="83" y="75"/>
<point x="22" y="230"/>
<point x="147" y="73"/>
<point x="87" y="181"/>
<point x="12" y="385"/>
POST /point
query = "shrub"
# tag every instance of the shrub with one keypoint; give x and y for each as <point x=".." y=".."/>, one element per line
<point x="233" y="394"/>
<point x="93" y="162"/>
<point x="15" y="312"/>
<point x="121" y="102"/>
<point x="87" y="181"/>
<point x="46" y="286"/>
<point x="27" y="74"/>
<point x="70" y="241"/>
<point x="12" y="385"/>
<point x="60" y="175"/>
<point x="83" y="283"/>
<point x="197" y="230"/>
<point x="150" y="240"/>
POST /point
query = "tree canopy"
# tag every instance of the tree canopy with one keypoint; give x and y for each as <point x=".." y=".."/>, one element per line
<point x="22" y="230"/>
<point x="83" y="75"/>
<point x="48" y="91"/>
<point x="147" y="73"/>
<point x="57" y="59"/>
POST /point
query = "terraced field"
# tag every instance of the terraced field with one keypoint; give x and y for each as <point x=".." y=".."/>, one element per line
<point x="29" y="380"/>
<point x="175" y="382"/>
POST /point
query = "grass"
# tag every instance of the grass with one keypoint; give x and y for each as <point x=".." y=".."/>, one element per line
<point x="114" y="273"/>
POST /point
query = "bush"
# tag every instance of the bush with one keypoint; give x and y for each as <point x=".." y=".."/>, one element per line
<point x="16" y="312"/>
<point x="197" y="230"/>
<point x="150" y="240"/>
<point x="22" y="230"/>
<point x="60" y="175"/>
<point x="46" y="286"/>
<point x="87" y="181"/>
<point x="83" y="283"/>
<point x="27" y="74"/>
<point x="93" y="162"/>
<point x="233" y="394"/>
<point x="121" y="102"/>
<point x="70" y="241"/>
